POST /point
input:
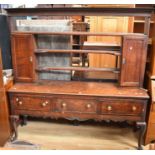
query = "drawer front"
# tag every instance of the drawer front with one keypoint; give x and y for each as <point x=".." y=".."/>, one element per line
<point x="31" y="103"/>
<point x="121" y="107"/>
<point x="75" y="106"/>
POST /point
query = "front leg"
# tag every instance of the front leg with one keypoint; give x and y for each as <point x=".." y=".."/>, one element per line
<point x="14" y="124"/>
<point x="142" y="128"/>
<point x="23" y="120"/>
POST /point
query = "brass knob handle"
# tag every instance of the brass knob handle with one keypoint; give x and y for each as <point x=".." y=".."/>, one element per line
<point x="109" y="108"/>
<point x="63" y="105"/>
<point x="20" y="102"/>
<point x="130" y="48"/>
<point x="134" y="108"/>
<point x="44" y="104"/>
<point x="17" y="99"/>
<point x="88" y="105"/>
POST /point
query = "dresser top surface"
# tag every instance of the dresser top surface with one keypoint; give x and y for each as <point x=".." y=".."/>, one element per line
<point x="79" y="88"/>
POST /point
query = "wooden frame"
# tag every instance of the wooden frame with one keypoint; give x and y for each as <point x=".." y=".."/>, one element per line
<point x="139" y="12"/>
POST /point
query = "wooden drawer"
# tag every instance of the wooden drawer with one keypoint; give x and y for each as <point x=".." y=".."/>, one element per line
<point x="31" y="103"/>
<point x="122" y="107"/>
<point x="75" y="106"/>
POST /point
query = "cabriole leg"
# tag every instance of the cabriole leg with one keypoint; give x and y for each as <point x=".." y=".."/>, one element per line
<point x="14" y="123"/>
<point x="142" y="128"/>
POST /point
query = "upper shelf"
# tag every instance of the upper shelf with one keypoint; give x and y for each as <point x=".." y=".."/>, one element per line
<point x="119" y="34"/>
<point x="142" y="21"/>
<point x="80" y="11"/>
<point x="44" y="51"/>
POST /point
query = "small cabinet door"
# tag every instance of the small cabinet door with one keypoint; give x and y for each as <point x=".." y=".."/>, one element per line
<point x="133" y="62"/>
<point x="22" y="54"/>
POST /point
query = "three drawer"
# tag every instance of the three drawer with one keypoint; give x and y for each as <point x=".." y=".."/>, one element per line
<point x="76" y="105"/>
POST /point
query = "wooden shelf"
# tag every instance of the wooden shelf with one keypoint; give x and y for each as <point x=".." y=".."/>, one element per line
<point x="48" y="69"/>
<point x="142" y="21"/>
<point x="78" y="33"/>
<point x="44" y="51"/>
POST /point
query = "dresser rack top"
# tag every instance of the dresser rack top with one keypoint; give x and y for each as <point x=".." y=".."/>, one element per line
<point x="81" y="11"/>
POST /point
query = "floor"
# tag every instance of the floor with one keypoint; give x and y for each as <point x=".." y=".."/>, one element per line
<point x="63" y="135"/>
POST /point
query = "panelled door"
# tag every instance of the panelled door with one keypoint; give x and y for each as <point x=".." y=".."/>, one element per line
<point x="133" y="60"/>
<point x="22" y="55"/>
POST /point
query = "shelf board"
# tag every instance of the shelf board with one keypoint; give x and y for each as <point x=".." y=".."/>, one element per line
<point x="142" y="21"/>
<point x="117" y="34"/>
<point x="48" y="69"/>
<point x="44" y="51"/>
<point x="80" y="11"/>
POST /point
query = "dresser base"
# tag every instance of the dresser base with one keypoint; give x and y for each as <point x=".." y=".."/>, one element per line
<point x="80" y="102"/>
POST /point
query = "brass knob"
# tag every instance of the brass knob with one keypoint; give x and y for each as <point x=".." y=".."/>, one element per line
<point x="134" y="108"/>
<point x="20" y="102"/>
<point x="17" y="99"/>
<point x="44" y="104"/>
<point x="63" y="105"/>
<point x="88" y="105"/>
<point x="130" y="48"/>
<point x="109" y="108"/>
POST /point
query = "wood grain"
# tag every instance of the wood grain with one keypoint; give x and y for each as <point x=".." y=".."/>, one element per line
<point x="79" y="88"/>
<point x="4" y="113"/>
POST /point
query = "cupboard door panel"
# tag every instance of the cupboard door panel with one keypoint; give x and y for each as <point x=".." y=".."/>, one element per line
<point x="133" y="61"/>
<point x="22" y="52"/>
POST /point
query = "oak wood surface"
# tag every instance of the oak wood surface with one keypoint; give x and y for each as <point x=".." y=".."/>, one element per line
<point x="4" y="114"/>
<point x="79" y="88"/>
